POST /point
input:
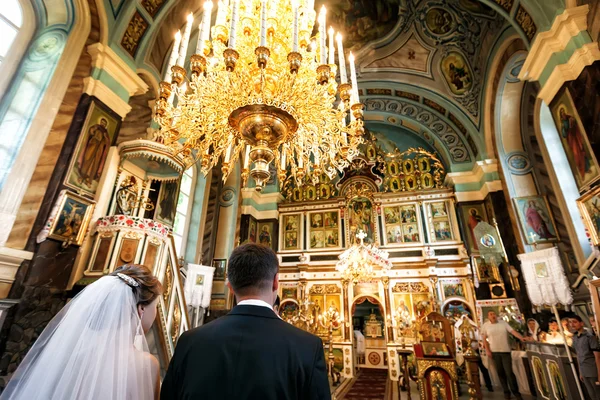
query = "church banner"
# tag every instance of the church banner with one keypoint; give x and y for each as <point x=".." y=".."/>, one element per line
<point x="545" y="278"/>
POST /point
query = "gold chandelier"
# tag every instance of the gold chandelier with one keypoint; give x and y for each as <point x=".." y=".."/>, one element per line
<point x="260" y="87"/>
<point x="356" y="263"/>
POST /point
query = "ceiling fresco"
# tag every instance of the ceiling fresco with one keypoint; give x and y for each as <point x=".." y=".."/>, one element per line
<point x="443" y="46"/>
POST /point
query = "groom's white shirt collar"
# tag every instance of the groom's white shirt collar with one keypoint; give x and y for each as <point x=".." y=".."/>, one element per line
<point x="256" y="302"/>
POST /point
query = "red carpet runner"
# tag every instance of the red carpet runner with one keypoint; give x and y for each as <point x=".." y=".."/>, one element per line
<point x="370" y="385"/>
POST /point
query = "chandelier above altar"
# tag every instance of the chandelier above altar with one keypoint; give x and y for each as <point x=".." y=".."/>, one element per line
<point x="263" y="89"/>
<point x="357" y="263"/>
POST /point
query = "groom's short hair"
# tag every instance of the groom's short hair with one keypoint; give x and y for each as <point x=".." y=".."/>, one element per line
<point x="252" y="268"/>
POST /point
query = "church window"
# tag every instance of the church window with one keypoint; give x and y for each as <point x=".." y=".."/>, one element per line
<point x="11" y="19"/>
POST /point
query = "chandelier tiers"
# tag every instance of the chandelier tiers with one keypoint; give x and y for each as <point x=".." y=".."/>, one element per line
<point x="262" y="87"/>
<point x="356" y="264"/>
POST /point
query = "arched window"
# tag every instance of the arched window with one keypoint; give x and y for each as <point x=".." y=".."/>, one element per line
<point x="11" y="19"/>
<point x="184" y="205"/>
<point x="17" y="24"/>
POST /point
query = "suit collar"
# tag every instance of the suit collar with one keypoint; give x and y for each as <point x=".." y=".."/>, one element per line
<point x="254" y="311"/>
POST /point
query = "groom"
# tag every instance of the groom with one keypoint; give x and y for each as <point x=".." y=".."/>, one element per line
<point x="250" y="353"/>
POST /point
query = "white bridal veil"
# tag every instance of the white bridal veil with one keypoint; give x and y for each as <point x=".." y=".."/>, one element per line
<point x="87" y="351"/>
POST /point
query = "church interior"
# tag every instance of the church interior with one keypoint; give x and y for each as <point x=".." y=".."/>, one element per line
<point x="414" y="164"/>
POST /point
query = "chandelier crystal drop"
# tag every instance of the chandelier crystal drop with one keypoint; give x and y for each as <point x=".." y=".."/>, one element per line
<point x="356" y="263"/>
<point x="262" y="87"/>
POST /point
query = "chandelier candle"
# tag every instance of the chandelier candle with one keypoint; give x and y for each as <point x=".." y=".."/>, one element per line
<point x="354" y="97"/>
<point x="204" y="28"/>
<point x="173" y="58"/>
<point x="234" y="21"/>
<point x="236" y="109"/>
<point x="331" y="46"/>
<point x="341" y="59"/>
<point x="322" y="23"/>
<point x="185" y="40"/>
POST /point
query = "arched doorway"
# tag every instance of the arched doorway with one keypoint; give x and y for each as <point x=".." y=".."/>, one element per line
<point x="369" y="327"/>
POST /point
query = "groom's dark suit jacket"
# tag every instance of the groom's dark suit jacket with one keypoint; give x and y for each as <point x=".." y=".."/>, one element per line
<point x="248" y="354"/>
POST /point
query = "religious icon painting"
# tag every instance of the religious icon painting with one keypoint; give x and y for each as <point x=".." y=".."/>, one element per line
<point x="541" y="269"/>
<point x="311" y="193"/>
<point x="589" y="206"/>
<point x="97" y="128"/>
<point x="427" y="181"/>
<point x="575" y="140"/>
<point x="408" y="167"/>
<point x="71" y="218"/>
<point x="324" y="191"/>
<point x="395" y="185"/>
<point x="220" y="267"/>
<point x="291" y="241"/>
<point x="438" y="209"/>
<point x="535" y="219"/>
<point x="330" y="219"/>
<point x="297" y="194"/>
<point x="442" y="231"/>
<point x="166" y="205"/>
<point x="391" y="215"/>
<point x="540" y="377"/>
<point x="435" y="349"/>
<point x="361" y="218"/>
<point x="393" y="234"/>
<point x="453" y="289"/>
<point x="411" y="233"/>
<point x="266" y="234"/>
<point x="556" y="380"/>
<point x="457" y="73"/>
<point x="424" y="164"/>
<point x="486" y="271"/>
<point x="290" y="227"/>
<point x="393" y="168"/>
<point x="332" y="238"/>
<point x="317" y="239"/>
<point x="316" y="220"/>
<point x="471" y="215"/>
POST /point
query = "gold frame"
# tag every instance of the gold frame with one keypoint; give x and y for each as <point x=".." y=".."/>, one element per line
<point x="84" y="223"/>
<point x="323" y="229"/>
<point x="587" y="218"/>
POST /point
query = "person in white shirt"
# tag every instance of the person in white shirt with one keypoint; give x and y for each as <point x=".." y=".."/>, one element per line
<point x="495" y="339"/>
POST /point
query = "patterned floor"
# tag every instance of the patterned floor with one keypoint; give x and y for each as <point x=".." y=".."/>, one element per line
<point x="370" y="385"/>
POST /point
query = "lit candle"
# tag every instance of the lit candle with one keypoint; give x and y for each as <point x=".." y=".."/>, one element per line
<point x="247" y="157"/>
<point x="204" y="27"/>
<point x="295" y="26"/>
<point x="322" y="22"/>
<point x="283" y="151"/>
<point x="221" y="14"/>
<point x="331" y="47"/>
<point x="343" y="76"/>
<point x="234" y="21"/>
<point x="173" y="58"/>
<point x="263" y="23"/>
<point x="185" y="40"/>
<point x="317" y="158"/>
<point x="310" y="4"/>
<point x="353" y="79"/>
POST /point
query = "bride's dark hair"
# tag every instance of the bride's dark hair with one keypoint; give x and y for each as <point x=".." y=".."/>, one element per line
<point x="149" y="286"/>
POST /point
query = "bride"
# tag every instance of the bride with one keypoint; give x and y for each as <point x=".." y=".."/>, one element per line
<point x="95" y="347"/>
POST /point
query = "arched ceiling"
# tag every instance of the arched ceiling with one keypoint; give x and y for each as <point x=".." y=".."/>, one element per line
<point x="422" y="64"/>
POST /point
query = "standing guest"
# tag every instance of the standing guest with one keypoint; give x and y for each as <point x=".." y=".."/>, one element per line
<point x="533" y="330"/>
<point x="95" y="348"/>
<point x="567" y="330"/>
<point x="554" y="336"/>
<point x="250" y="353"/>
<point x="588" y="351"/>
<point x="593" y="324"/>
<point x="495" y="339"/>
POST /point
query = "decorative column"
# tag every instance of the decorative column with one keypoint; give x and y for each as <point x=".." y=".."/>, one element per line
<point x="386" y="293"/>
<point x="346" y="302"/>
<point x="473" y="377"/>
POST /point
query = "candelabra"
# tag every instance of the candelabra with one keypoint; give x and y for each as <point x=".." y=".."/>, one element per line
<point x="302" y="318"/>
<point x="331" y="319"/>
<point x="403" y="326"/>
<point x="261" y="87"/>
<point x="356" y="264"/>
